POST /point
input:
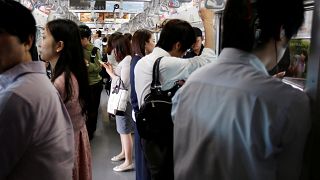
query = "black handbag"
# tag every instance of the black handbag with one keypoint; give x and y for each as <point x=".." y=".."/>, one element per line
<point x="154" y="120"/>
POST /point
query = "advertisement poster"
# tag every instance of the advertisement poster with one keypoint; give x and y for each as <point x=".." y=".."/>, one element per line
<point x="299" y="54"/>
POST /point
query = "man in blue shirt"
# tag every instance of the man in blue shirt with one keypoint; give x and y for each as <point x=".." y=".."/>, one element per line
<point x="36" y="134"/>
<point x="232" y="120"/>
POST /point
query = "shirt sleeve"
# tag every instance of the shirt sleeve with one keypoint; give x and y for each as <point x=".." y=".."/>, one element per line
<point x="125" y="75"/>
<point x="123" y="70"/>
<point x="294" y="138"/>
<point x="180" y="69"/>
<point x="175" y="102"/>
<point x="16" y="130"/>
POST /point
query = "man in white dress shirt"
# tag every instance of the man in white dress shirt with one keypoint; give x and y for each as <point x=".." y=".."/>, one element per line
<point x="232" y="121"/>
<point x="176" y="38"/>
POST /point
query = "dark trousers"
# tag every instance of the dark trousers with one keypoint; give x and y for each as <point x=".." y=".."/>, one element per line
<point x="95" y="94"/>
<point x="142" y="172"/>
<point x="159" y="159"/>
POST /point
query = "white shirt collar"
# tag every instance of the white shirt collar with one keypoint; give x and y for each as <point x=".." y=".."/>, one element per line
<point x="238" y="56"/>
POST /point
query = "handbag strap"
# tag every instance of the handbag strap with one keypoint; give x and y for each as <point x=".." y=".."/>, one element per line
<point x="119" y="85"/>
<point x="155" y="84"/>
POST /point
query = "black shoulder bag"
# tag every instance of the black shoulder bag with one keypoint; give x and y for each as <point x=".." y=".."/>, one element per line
<point x="154" y="120"/>
<point x="93" y="54"/>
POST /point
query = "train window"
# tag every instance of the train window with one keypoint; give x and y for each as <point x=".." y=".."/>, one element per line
<point x="295" y="59"/>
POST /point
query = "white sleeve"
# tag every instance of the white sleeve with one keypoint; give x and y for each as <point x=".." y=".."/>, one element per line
<point x="181" y="69"/>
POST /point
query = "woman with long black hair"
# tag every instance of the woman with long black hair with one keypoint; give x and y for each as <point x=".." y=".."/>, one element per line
<point x="61" y="46"/>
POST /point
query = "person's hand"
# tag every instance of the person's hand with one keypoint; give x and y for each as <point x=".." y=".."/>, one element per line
<point x="87" y="62"/>
<point x="108" y="68"/>
<point x="206" y="15"/>
<point x="280" y="74"/>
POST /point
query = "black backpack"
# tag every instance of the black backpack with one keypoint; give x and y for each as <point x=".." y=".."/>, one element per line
<point x="154" y="120"/>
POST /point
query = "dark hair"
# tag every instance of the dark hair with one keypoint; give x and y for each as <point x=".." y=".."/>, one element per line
<point x="122" y="46"/>
<point x="128" y="36"/>
<point x="175" y="31"/>
<point x="104" y="41"/>
<point x="34" y="52"/>
<point x="197" y="32"/>
<point x="18" y="13"/>
<point x="242" y="19"/>
<point x="99" y="33"/>
<point x="139" y="40"/>
<point x="306" y="54"/>
<point x="109" y="43"/>
<point x="85" y="31"/>
<point x="71" y="59"/>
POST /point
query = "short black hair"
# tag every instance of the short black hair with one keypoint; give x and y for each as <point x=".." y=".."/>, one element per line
<point x="197" y="31"/>
<point x="85" y="31"/>
<point x="17" y="13"/>
<point x="128" y="35"/>
<point x="174" y="31"/>
<point x="241" y="18"/>
<point x="20" y="24"/>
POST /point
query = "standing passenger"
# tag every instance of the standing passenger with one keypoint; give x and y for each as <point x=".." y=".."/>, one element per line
<point x="110" y="52"/>
<point x="124" y="123"/>
<point x="61" y="46"/>
<point x="237" y="121"/>
<point x="197" y="47"/>
<point x="176" y="37"/>
<point x="36" y="134"/>
<point x="143" y="43"/>
<point x="98" y="42"/>
<point x="92" y="57"/>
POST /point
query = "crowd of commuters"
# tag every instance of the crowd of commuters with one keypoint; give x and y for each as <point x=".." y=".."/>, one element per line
<point x="229" y="122"/>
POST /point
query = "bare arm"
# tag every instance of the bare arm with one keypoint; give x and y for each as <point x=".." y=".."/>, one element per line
<point x="207" y="20"/>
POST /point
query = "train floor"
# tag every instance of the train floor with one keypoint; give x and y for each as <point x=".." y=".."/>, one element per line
<point x="105" y="145"/>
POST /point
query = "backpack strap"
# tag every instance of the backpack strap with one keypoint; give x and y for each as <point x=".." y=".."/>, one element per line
<point x="155" y="84"/>
<point x="93" y="54"/>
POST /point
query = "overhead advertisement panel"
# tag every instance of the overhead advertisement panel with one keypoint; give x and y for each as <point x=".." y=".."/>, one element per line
<point x="128" y="7"/>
